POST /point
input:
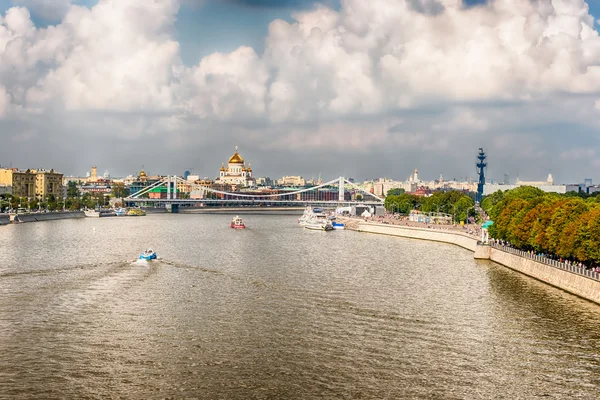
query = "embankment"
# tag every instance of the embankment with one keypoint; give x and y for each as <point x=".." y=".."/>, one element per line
<point x="50" y="216"/>
<point x="437" y="235"/>
<point x="585" y="284"/>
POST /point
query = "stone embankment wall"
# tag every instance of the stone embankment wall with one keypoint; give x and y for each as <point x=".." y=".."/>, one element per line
<point x="575" y="283"/>
<point x="4" y="219"/>
<point x="433" y="234"/>
<point x="34" y="217"/>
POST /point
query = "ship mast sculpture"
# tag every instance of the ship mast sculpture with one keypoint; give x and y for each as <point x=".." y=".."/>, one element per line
<point x="481" y="171"/>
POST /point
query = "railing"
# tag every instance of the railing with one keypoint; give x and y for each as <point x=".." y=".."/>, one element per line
<point x="574" y="269"/>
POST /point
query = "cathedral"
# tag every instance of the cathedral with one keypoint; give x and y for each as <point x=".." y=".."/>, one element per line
<point x="236" y="172"/>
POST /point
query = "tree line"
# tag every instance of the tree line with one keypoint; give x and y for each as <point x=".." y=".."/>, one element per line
<point x="74" y="200"/>
<point x="564" y="225"/>
<point x="453" y="202"/>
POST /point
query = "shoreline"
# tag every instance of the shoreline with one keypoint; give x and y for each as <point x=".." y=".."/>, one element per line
<point x="9" y="219"/>
<point x="577" y="281"/>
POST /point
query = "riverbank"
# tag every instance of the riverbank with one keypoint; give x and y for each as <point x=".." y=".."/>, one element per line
<point x="48" y="216"/>
<point x="580" y="282"/>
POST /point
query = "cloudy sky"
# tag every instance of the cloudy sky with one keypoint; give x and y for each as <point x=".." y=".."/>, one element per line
<point x="341" y="87"/>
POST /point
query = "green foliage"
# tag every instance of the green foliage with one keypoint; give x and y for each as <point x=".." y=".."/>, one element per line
<point x="565" y="225"/>
<point x="395" y="192"/>
<point x="452" y="202"/>
<point x="119" y="190"/>
<point x="72" y="190"/>
<point x="402" y="204"/>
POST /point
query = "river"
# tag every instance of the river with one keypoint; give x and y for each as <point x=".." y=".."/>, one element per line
<point x="277" y="312"/>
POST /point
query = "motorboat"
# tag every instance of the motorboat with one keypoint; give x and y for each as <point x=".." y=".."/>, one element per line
<point x="319" y="224"/>
<point x="92" y="213"/>
<point x="308" y="213"/>
<point x="237" y="223"/>
<point x="121" y="212"/>
<point x="337" y="225"/>
<point x="149" y="254"/>
<point x="311" y="214"/>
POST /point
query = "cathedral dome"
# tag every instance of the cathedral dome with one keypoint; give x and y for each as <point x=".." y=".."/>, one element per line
<point x="143" y="173"/>
<point x="236" y="159"/>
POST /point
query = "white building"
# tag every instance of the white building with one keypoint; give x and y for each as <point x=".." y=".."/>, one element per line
<point x="546" y="186"/>
<point x="291" y="181"/>
<point x="236" y="172"/>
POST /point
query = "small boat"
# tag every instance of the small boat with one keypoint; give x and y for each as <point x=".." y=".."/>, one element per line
<point x="337" y="225"/>
<point x="92" y="213"/>
<point x="149" y="254"/>
<point x="121" y="212"/>
<point x="136" y="212"/>
<point x="237" y="223"/>
<point x="319" y="224"/>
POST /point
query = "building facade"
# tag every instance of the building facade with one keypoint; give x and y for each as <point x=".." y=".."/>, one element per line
<point x="22" y="182"/>
<point x="48" y="183"/>
<point x="236" y="172"/>
<point x="296" y="181"/>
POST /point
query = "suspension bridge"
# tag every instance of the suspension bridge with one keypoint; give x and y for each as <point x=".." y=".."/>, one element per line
<point x="173" y="191"/>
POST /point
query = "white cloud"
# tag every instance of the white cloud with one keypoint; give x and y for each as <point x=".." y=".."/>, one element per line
<point x="226" y="86"/>
<point x="367" y="58"/>
<point x="52" y="10"/>
<point x="330" y="78"/>
<point x="4" y="101"/>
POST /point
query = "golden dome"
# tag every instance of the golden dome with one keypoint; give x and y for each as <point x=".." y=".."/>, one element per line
<point x="143" y="173"/>
<point x="222" y="168"/>
<point x="244" y="169"/>
<point x="236" y="159"/>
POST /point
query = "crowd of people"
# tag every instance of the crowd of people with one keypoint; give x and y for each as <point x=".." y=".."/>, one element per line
<point x="403" y="220"/>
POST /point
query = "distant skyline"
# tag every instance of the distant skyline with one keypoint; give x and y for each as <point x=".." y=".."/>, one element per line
<point x="341" y="87"/>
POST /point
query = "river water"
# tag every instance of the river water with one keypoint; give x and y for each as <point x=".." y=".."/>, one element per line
<point x="277" y="312"/>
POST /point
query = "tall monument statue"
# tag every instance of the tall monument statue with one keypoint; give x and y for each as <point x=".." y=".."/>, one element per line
<point x="481" y="171"/>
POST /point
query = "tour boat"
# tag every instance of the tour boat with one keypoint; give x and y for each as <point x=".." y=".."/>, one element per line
<point x="149" y="254"/>
<point x="319" y="224"/>
<point x="136" y="212"/>
<point x="237" y="223"/>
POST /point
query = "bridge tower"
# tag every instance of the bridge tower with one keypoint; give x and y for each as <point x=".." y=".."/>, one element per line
<point x="341" y="190"/>
<point x="481" y="171"/>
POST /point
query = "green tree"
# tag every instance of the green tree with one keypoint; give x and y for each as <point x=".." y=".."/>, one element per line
<point x="395" y="192"/>
<point x="402" y="204"/>
<point x="72" y="190"/>
<point x="119" y="190"/>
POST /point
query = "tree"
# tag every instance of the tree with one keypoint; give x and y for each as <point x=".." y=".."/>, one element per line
<point x="402" y="204"/>
<point x="72" y="190"/>
<point x="395" y="192"/>
<point x="119" y="190"/>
